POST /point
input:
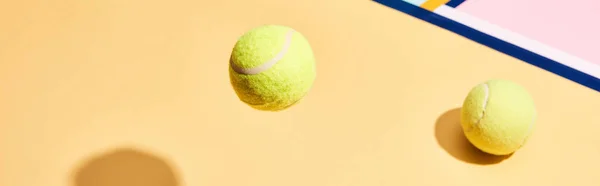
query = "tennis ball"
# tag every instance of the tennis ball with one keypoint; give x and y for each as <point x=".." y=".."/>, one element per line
<point x="498" y="117"/>
<point x="272" y="67"/>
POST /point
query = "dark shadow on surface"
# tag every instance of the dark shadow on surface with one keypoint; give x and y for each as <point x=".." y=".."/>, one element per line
<point x="451" y="138"/>
<point x="125" y="167"/>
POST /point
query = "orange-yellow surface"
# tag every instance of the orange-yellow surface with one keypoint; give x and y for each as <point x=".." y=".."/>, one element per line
<point x="431" y="5"/>
<point x="136" y="93"/>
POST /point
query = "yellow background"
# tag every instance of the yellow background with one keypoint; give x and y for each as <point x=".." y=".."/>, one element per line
<point x="136" y="93"/>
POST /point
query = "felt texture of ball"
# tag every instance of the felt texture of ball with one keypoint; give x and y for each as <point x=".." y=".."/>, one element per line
<point x="272" y="67"/>
<point x="498" y="117"/>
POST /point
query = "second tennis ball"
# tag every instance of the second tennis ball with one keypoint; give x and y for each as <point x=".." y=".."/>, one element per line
<point x="498" y="116"/>
<point x="272" y="67"/>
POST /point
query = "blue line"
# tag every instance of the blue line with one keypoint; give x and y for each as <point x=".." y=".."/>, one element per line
<point x="455" y="3"/>
<point x="495" y="43"/>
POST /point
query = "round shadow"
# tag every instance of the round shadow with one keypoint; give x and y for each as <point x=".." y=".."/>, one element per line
<point x="126" y="167"/>
<point x="450" y="137"/>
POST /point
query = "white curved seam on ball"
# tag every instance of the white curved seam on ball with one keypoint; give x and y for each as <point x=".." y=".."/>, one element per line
<point x="530" y="129"/>
<point x="486" y="89"/>
<point x="532" y="121"/>
<point x="270" y="63"/>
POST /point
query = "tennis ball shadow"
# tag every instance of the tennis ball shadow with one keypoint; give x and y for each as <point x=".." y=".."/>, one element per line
<point x="450" y="137"/>
<point x="125" y="167"/>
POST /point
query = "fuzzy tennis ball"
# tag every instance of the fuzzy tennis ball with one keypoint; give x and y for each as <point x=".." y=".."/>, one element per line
<point x="498" y="117"/>
<point x="272" y="67"/>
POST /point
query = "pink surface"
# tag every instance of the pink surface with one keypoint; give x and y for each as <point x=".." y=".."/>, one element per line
<point x="572" y="26"/>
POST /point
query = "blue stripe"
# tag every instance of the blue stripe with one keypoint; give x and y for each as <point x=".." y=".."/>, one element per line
<point x="495" y="43"/>
<point x="455" y="3"/>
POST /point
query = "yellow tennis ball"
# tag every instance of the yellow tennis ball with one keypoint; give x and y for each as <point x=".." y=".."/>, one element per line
<point x="498" y="117"/>
<point x="272" y="67"/>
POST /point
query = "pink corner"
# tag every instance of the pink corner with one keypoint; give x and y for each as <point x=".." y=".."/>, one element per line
<point x="572" y="26"/>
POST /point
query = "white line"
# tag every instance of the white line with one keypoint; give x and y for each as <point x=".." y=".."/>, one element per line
<point x="416" y="2"/>
<point x="519" y="40"/>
